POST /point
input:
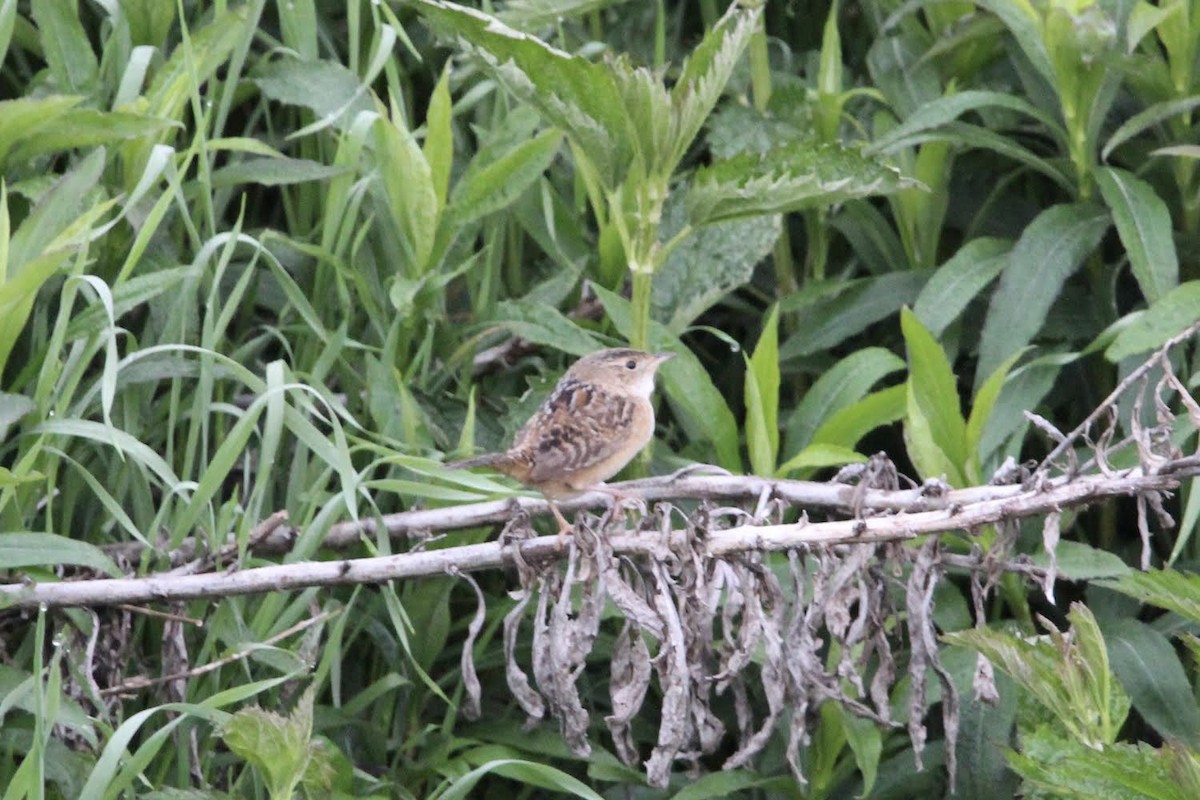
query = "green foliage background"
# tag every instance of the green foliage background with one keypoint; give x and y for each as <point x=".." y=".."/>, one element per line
<point x="250" y="251"/>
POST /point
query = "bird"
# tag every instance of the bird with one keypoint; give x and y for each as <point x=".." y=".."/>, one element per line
<point x="597" y="418"/>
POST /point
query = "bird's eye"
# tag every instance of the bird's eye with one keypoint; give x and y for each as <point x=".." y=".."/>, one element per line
<point x="631" y="364"/>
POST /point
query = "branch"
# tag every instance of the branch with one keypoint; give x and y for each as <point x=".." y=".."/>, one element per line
<point x="956" y="511"/>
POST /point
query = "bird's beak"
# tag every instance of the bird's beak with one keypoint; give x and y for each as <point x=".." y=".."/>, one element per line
<point x="665" y="355"/>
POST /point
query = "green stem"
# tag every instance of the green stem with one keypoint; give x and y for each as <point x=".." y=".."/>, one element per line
<point x="760" y="67"/>
<point x="643" y="282"/>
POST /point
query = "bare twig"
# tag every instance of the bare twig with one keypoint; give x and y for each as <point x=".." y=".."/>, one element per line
<point x="955" y="512"/>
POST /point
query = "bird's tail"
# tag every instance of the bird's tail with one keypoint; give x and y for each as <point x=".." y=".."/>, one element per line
<point x="493" y="460"/>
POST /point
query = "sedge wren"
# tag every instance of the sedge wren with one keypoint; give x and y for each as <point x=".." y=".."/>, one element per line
<point x="594" y="422"/>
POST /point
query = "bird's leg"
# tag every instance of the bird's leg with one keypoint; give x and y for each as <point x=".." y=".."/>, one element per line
<point x="564" y="527"/>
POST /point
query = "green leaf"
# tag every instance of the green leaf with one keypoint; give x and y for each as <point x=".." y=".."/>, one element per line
<point x="527" y="772"/>
<point x="708" y="264"/>
<point x="22" y="549"/>
<point x="274" y="172"/>
<point x="846" y="426"/>
<point x="819" y="455"/>
<point x="408" y="185"/>
<point x="493" y="181"/>
<point x="1149" y="668"/>
<point x="1166" y="588"/>
<point x="577" y="96"/>
<point x="699" y="407"/>
<point x="8" y="19"/>
<point x="86" y="127"/>
<point x="985" y="731"/>
<point x="65" y="44"/>
<point x="934" y="430"/>
<point x="703" y="75"/>
<point x="790" y="178"/>
<point x="844" y="383"/>
<point x="278" y="747"/>
<point x="958" y="281"/>
<point x="831" y="312"/>
<point x="981" y="408"/>
<point x="1153" y="327"/>
<point x="328" y="88"/>
<point x="762" y="398"/>
<point x="937" y="113"/>
<point x="1077" y="561"/>
<point x="439" y="137"/>
<point x="1144" y="225"/>
<point x="540" y="324"/>
<point x="1048" y="252"/>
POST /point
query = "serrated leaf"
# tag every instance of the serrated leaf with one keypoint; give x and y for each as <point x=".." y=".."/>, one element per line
<point x="1164" y="319"/>
<point x="22" y="549"/>
<point x="708" y="264"/>
<point x="574" y="94"/>
<point x="704" y="73"/>
<point x="1166" y="588"/>
<point x="958" y="281"/>
<point x="1048" y="252"/>
<point x="791" y="178"/>
<point x="1144" y="225"/>
<point x="274" y="172"/>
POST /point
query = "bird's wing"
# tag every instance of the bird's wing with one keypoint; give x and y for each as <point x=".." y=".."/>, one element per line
<point x="578" y="426"/>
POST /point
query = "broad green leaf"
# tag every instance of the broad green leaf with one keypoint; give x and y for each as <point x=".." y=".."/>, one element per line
<point x="985" y="733"/>
<point x="274" y="172"/>
<point x="901" y="69"/>
<point x="1048" y="252"/>
<point x="24" y="549"/>
<point x="934" y="409"/>
<point x="700" y="408"/>
<point x="939" y="112"/>
<point x="957" y="282"/>
<point x="1149" y="668"/>
<point x="819" y="455"/>
<point x="846" y="426"/>
<point x="844" y="383"/>
<point x="1164" y="319"/>
<point x="721" y="785"/>
<point x="1077" y="561"/>
<point x="832" y="312"/>
<point x="982" y="405"/>
<point x="762" y="398"/>
<point x="493" y="183"/>
<point x="408" y="185"/>
<point x="540" y="324"/>
<point x="65" y="45"/>
<point x="574" y="94"/>
<point x="279" y="747"/>
<point x="439" y="137"/>
<point x="24" y="118"/>
<point x="195" y="62"/>
<point x="792" y="178"/>
<point x="1146" y="119"/>
<point x="1144" y="224"/>
<point x="1024" y="389"/>
<point x="708" y="264"/>
<point x="86" y="127"/>
<point x="527" y="772"/>
<point x="1055" y="765"/>
<point x="328" y="88"/>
